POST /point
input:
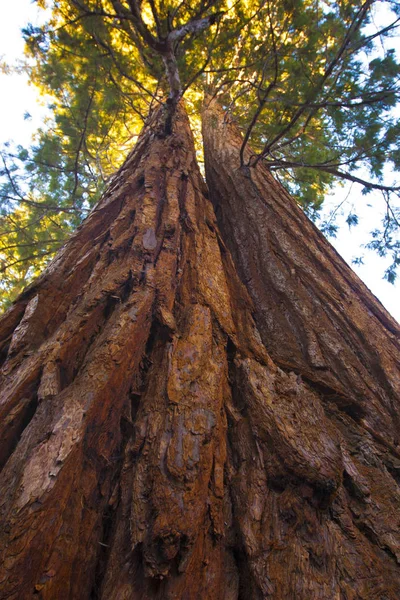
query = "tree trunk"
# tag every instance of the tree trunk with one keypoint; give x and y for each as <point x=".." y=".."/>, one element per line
<point x="150" y="446"/>
<point x="116" y="389"/>
<point x="321" y="325"/>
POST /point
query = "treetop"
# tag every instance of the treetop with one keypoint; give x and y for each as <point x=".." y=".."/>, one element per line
<point x="312" y="84"/>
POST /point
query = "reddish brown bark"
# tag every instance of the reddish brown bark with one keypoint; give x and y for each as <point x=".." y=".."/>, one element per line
<point x="322" y="325"/>
<point x="115" y="391"/>
<point x="150" y="446"/>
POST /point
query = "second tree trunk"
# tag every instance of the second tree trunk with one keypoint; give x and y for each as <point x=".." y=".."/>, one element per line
<point x="322" y="325"/>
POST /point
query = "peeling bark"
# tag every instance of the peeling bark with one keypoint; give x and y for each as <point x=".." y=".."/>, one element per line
<point x="328" y="523"/>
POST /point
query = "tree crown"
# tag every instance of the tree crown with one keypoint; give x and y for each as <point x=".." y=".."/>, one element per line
<point x="310" y="83"/>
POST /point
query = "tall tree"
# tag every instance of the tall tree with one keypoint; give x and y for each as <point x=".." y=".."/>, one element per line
<point x="151" y="448"/>
<point x="336" y="335"/>
<point x="169" y="430"/>
<point x="319" y="321"/>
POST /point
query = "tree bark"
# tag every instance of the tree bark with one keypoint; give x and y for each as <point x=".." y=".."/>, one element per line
<point x="150" y="446"/>
<point x="117" y="386"/>
<point x="323" y="327"/>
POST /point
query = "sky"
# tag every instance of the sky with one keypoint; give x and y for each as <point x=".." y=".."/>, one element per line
<point x="18" y="97"/>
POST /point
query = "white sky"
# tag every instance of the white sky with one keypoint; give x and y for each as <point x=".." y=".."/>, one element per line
<point x="17" y="97"/>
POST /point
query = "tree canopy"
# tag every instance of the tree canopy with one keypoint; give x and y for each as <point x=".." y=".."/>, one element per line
<point x="313" y="85"/>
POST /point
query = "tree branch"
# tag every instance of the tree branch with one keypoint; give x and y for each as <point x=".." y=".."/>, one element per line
<point x="332" y="170"/>
<point x="352" y="30"/>
<point x="195" y="26"/>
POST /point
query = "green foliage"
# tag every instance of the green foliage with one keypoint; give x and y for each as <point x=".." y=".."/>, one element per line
<point x="385" y="242"/>
<point x="310" y="83"/>
<point x="352" y="219"/>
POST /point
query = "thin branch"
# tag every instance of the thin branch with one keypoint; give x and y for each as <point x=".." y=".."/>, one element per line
<point x="327" y="169"/>
<point x="30" y="258"/>
<point x="117" y="64"/>
<point x="352" y="30"/>
<point x="156" y="18"/>
<point x="202" y="69"/>
<point x="49" y="207"/>
<point x="81" y="141"/>
<point x="34" y="243"/>
<point x="265" y="95"/>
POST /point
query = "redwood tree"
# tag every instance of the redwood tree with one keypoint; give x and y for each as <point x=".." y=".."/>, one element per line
<point x="318" y="321"/>
<point x="114" y="391"/>
<point x="191" y="406"/>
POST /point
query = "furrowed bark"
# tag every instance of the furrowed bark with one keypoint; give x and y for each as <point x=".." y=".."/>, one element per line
<point x="157" y="451"/>
<point x="115" y="392"/>
<point x="323" y="327"/>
